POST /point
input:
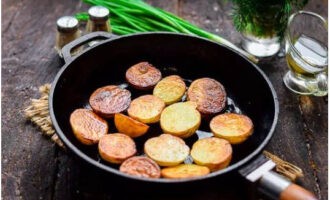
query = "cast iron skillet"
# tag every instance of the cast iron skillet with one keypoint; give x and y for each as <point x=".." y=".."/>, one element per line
<point x="249" y="90"/>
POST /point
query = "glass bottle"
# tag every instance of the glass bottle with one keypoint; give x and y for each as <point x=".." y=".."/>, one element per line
<point x="67" y="31"/>
<point x="269" y="19"/>
<point x="98" y="19"/>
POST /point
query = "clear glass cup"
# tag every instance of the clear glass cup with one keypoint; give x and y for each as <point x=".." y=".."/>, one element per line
<point x="306" y="41"/>
<point x="260" y="35"/>
<point x="259" y="46"/>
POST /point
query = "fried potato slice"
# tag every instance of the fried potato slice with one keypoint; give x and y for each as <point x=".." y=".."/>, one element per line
<point x="166" y="150"/>
<point x="87" y="126"/>
<point x="170" y="89"/>
<point x="143" y="76"/>
<point x="116" y="147"/>
<point x="130" y="126"/>
<point x="146" y="109"/>
<point x="140" y="166"/>
<point x="184" y="171"/>
<point x="214" y="153"/>
<point x="180" y="119"/>
<point x="235" y="128"/>
<point x="209" y="94"/>
<point x="108" y="100"/>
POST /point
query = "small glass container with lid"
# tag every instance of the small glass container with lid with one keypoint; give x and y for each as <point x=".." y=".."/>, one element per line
<point x="98" y="19"/>
<point x="67" y="31"/>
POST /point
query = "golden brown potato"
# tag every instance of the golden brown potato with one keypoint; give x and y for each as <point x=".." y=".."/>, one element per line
<point x="140" y="166"/>
<point x="87" y="126"/>
<point x="108" y="100"/>
<point x="214" y="153"/>
<point x="146" y="109"/>
<point x="180" y="119"/>
<point x="170" y="89"/>
<point x="209" y="94"/>
<point x="235" y="128"/>
<point x="166" y="150"/>
<point x="116" y="147"/>
<point x="130" y="126"/>
<point x="184" y="171"/>
<point x="143" y="76"/>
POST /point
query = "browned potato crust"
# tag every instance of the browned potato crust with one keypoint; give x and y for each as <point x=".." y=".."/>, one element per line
<point x="108" y="100"/>
<point x="143" y="76"/>
<point x="170" y="89"/>
<point x="146" y="109"/>
<point x="87" y="126"/>
<point x="214" y="153"/>
<point x="209" y="94"/>
<point x="235" y="128"/>
<point x="166" y="150"/>
<point x="130" y="126"/>
<point x="116" y="147"/>
<point x="140" y="166"/>
<point x="184" y="171"/>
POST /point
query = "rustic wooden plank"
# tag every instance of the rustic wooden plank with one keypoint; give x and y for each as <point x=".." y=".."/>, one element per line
<point x="293" y="140"/>
<point x="315" y="133"/>
<point x="314" y="111"/>
<point x="18" y="166"/>
<point x="288" y="141"/>
<point x="294" y="146"/>
<point x="213" y="16"/>
<point x="301" y="134"/>
<point x="28" y="61"/>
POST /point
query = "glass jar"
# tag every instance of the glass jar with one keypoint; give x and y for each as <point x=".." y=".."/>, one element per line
<point x="67" y="31"/>
<point x="262" y="26"/>
<point x="98" y="19"/>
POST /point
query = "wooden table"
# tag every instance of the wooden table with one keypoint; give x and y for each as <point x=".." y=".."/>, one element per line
<point x="35" y="168"/>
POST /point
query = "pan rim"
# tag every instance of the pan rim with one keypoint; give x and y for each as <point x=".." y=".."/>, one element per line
<point x="231" y="168"/>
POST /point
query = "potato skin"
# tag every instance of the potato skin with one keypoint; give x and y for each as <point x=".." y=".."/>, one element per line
<point x="130" y="126"/>
<point x="146" y="109"/>
<point x="184" y="171"/>
<point x="209" y="94"/>
<point x="143" y="76"/>
<point x="87" y="127"/>
<point x="108" y="100"/>
<point x="170" y="89"/>
<point x="180" y="119"/>
<point x="140" y="166"/>
<point x="166" y="150"/>
<point x="235" y="128"/>
<point x="214" y="153"/>
<point x="116" y="147"/>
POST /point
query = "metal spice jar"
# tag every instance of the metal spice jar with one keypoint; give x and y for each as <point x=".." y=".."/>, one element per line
<point x="98" y="19"/>
<point x="67" y="31"/>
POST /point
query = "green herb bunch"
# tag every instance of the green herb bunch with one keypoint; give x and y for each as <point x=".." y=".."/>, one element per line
<point x="136" y="16"/>
<point x="264" y="18"/>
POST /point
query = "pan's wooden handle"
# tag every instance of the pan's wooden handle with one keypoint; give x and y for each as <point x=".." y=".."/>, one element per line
<point x="275" y="186"/>
<point x="295" y="192"/>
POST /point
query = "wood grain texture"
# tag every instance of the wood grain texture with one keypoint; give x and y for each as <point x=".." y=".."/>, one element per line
<point x="34" y="168"/>
<point x="30" y="163"/>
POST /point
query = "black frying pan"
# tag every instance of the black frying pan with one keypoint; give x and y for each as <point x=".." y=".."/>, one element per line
<point x="249" y="90"/>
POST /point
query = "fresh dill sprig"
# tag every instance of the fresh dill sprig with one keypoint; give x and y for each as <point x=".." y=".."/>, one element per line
<point x="264" y="18"/>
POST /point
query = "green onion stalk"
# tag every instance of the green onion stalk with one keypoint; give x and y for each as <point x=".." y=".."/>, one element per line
<point x="136" y="16"/>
